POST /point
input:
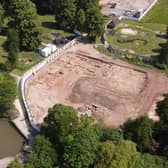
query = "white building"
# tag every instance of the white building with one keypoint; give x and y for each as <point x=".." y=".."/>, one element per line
<point x="48" y="50"/>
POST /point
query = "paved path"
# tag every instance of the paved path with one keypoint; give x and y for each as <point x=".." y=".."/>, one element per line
<point x="20" y="122"/>
<point x="5" y="162"/>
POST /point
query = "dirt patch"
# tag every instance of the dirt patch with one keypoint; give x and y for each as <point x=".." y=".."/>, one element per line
<point x="110" y="90"/>
<point x="129" y="32"/>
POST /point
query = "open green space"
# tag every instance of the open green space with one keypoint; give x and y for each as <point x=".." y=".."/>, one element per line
<point x="158" y="14"/>
<point x="142" y="41"/>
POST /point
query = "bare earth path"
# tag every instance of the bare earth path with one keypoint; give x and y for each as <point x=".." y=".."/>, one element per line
<point x="108" y="89"/>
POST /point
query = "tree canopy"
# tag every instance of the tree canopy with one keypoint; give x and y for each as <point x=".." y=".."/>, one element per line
<point x="163" y="55"/>
<point x="139" y="131"/>
<point x="1" y="15"/>
<point x="63" y="121"/>
<point x="7" y="92"/>
<point x="23" y="18"/>
<point x="43" y="154"/>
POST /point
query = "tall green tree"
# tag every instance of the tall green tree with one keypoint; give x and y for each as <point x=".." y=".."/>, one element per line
<point x="1" y="16"/>
<point x="161" y="132"/>
<point x="115" y="135"/>
<point x="140" y="131"/>
<point x="80" y="20"/>
<point x="12" y="46"/>
<point x="162" y="111"/>
<point x="7" y="93"/>
<point x="43" y="154"/>
<point x="116" y="156"/>
<point x="60" y="125"/>
<point x="24" y="19"/>
<point x="87" y="4"/>
<point x="94" y="22"/>
<point x="65" y="13"/>
<point x="163" y="55"/>
<point x="81" y="152"/>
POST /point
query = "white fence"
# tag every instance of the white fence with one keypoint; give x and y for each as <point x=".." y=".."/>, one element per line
<point x="33" y="71"/>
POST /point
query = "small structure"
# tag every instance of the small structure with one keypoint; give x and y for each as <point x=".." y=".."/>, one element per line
<point x="48" y="50"/>
<point x="52" y="47"/>
<point x="113" y="23"/>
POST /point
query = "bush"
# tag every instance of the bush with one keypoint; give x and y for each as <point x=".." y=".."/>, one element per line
<point x="161" y="66"/>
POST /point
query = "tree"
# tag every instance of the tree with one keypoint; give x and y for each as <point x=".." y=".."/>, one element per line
<point x="89" y="18"/>
<point x="81" y="152"/>
<point x="116" y="156"/>
<point x="105" y="155"/>
<point x="81" y="20"/>
<point x="60" y="125"/>
<point x="24" y="19"/>
<point x="43" y="154"/>
<point x="151" y="161"/>
<point x="12" y="45"/>
<point x="163" y="55"/>
<point x="87" y="4"/>
<point x="94" y="22"/>
<point x="115" y="135"/>
<point x="7" y="92"/>
<point x="65" y="14"/>
<point x="1" y="16"/>
<point x="162" y="111"/>
<point x="161" y="132"/>
<point x="140" y="131"/>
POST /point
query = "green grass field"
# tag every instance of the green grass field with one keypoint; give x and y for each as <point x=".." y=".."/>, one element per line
<point x="48" y="26"/>
<point x="158" y="14"/>
<point x="143" y="43"/>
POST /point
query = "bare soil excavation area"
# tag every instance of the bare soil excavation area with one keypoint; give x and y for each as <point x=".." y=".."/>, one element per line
<point x="110" y="90"/>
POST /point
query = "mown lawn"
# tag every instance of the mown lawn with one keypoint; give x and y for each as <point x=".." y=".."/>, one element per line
<point x="158" y="14"/>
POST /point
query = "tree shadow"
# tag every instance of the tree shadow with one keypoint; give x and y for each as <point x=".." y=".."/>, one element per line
<point x="50" y="25"/>
<point x="3" y="32"/>
<point x="3" y="67"/>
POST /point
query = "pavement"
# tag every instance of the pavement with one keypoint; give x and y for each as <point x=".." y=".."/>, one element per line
<point x="20" y="122"/>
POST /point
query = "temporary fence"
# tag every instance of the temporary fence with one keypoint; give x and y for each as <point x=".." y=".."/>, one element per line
<point x="32" y="71"/>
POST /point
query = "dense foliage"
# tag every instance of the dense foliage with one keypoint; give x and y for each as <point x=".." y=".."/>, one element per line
<point x="12" y="46"/>
<point x="23" y="18"/>
<point x="161" y="132"/>
<point x="1" y="15"/>
<point x="7" y="93"/>
<point x="84" y="16"/>
<point x="140" y="131"/>
<point x="72" y="142"/>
